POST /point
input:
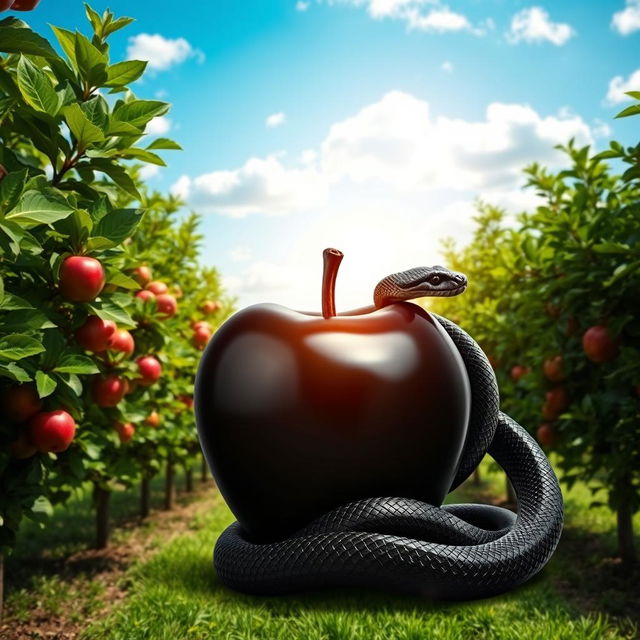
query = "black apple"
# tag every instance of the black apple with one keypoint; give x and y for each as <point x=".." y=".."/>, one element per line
<point x="299" y="413"/>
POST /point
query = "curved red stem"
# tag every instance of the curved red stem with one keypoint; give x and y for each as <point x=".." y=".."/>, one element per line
<point x="332" y="259"/>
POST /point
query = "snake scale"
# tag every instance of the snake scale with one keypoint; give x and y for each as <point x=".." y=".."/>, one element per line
<point x="449" y="552"/>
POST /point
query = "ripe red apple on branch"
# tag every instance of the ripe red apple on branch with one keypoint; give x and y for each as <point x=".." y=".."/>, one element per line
<point x="599" y="344"/>
<point x="145" y="295"/>
<point x="150" y="370"/>
<point x="108" y="391"/>
<point x="300" y="412"/>
<point x="122" y="341"/>
<point x="157" y="287"/>
<point x="166" y="305"/>
<point x="125" y="430"/>
<point x="210" y="306"/>
<point x="153" y="419"/>
<point x="95" y="334"/>
<point x="546" y="435"/>
<point x="518" y="371"/>
<point x="556" y="401"/>
<point x="81" y="278"/>
<point x="52" y="431"/>
<point x="553" y="368"/>
<point x="24" y="5"/>
<point x="20" y="402"/>
<point x="142" y="274"/>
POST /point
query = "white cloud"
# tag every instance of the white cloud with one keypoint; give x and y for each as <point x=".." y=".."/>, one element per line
<point x="628" y="20"/>
<point x="261" y="185"/>
<point x="149" y="171"/>
<point x="162" y="53"/>
<point x="534" y="25"/>
<point x="618" y="86"/>
<point x="275" y="119"/>
<point x="302" y="6"/>
<point x="447" y="66"/>
<point x="420" y="15"/>
<point x="260" y="278"/>
<point x="240" y="254"/>
<point x="158" y="126"/>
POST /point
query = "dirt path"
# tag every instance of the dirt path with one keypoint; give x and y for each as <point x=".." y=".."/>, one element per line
<point x="92" y="582"/>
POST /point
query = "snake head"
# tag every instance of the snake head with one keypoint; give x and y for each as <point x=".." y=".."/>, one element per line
<point x="419" y="282"/>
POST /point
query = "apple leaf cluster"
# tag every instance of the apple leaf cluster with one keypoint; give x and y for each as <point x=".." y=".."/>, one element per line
<point x="76" y="227"/>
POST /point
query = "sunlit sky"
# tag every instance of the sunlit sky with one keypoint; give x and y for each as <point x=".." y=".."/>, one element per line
<point x="367" y="125"/>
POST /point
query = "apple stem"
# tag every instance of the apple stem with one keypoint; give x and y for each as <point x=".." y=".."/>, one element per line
<point x="332" y="259"/>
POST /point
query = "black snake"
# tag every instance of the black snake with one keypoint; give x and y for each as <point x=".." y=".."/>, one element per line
<point x="459" y="551"/>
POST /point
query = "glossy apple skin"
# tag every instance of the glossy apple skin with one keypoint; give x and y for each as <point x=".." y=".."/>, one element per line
<point x="298" y="414"/>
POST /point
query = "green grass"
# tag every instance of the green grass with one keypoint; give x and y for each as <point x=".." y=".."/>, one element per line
<point x="174" y="594"/>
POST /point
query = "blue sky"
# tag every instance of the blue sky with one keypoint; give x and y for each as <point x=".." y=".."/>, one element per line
<point x="388" y="117"/>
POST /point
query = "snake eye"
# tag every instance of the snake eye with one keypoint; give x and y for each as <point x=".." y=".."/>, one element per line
<point x="434" y="279"/>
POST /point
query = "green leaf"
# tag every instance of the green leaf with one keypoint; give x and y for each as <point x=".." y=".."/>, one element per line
<point x="45" y="384"/>
<point x="74" y="363"/>
<point x="109" y="310"/>
<point x="11" y="189"/>
<point x="41" y="510"/>
<point x="116" y="25"/>
<point x="633" y="94"/>
<point x="124" y="73"/>
<point x="164" y="143"/>
<point x="82" y="128"/>
<point x="14" y="372"/>
<point x="118" y="224"/>
<point x="144" y="155"/>
<point x="139" y="112"/>
<point x="119" y="279"/>
<point x="97" y="111"/>
<point x="37" y="208"/>
<point x="94" y="18"/>
<point x="118" y="128"/>
<point x="91" y="62"/>
<point x="23" y="40"/>
<point x="633" y="110"/>
<point x="67" y="40"/>
<point x="117" y="174"/>
<point x="18" y="346"/>
<point x="20" y="238"/>
<point x="36" y="88"/>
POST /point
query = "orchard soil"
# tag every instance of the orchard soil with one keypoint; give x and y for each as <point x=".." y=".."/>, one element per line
<point x="115" y="593"/>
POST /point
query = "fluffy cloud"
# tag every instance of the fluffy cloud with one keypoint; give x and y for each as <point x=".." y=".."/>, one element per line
<point x="261" y="278"/>
<point x="447" y="66"/>
<point x="420" y="15"/>
<point x="302" y="6"/>
<point x="628" y="20"/>
<point x="158" y="126"/>
<point x="398" y="142"/>
<point x="275" y="119"/>
<point x="261" y="185"/>
<point x="162" y="53"/>
<point x="618" y="86"/>
<point x="534" y="25"/>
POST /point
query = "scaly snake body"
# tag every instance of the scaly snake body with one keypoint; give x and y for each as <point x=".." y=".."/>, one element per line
<point x="451" y="552"/>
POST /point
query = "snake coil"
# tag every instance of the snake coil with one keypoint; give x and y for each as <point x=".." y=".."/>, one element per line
<point x="458" y="551"/>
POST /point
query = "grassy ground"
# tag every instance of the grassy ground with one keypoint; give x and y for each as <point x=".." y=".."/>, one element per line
<point x="163" y="587"/>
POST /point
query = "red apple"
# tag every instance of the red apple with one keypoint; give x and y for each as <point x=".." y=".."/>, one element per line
<point x="95" y="333"/>
<point x="122" y="341"/>
<point x="553" y="369"/>
<point x="52" y="431"/>
<point x="298" y="413"/>
<point x="125" y="431"/>
<point x="201" y="324"/>
<point x="186" y="400"/>
<point x="556" y="401"/>
<point x="22" y="448"/>
<point x="209" y="306"/>
<point x="201" y="336"/>
<point x="24" y="5"/>
<point x="153" y="419"/>
<point x="157" y="287"/>
<point x="166" y="305"/>
<point x="599" y="344"/>
<point x="142" y="274"/>
<point x="518" y="371"/>
<point x="145" y="295"/>
<point x="150" y="370"/>
<point x="81" y="278"/>
<point x="20" y="402"/>
<point x="546" y="435"/>
<point x="108" y="391"/>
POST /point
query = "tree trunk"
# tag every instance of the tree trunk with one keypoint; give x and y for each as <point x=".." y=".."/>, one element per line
<point x="189" y="479"/>
<point x="204" y="469"/>
<point x="145" y="496"/>
<point x="626" y="542"/>
<point x="1" y="586"/>
<point x="169" y="488"/>
<point x="511" y="494"/>
<point x="477" y="480"/>
<point x="102" y="497"/>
